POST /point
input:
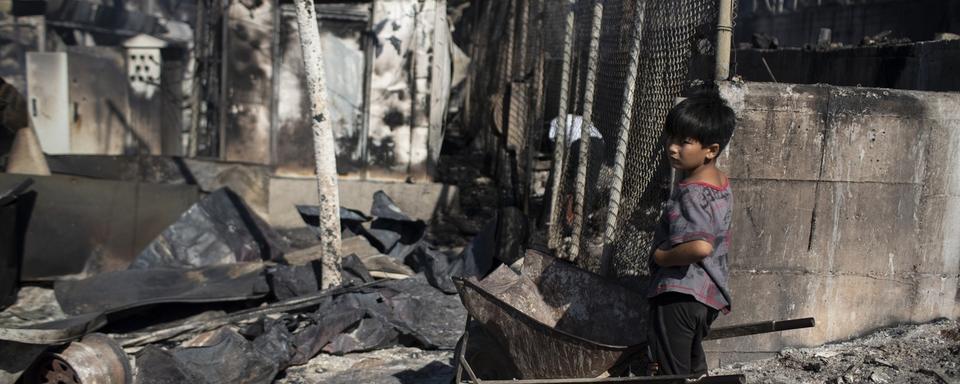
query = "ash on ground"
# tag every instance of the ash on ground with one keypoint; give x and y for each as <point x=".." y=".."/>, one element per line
<point x="387" y="366"/>
<point x="926" y="353"/>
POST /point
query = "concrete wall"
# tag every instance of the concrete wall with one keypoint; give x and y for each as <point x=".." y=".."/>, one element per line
<point x="847" y="209"/>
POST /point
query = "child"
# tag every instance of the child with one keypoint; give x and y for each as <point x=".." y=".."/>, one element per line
<point x="689" y="264"/>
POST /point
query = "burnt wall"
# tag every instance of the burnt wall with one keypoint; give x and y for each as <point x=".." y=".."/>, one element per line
<point x="917" y="20"/>
<point x="247" y="133"/>
<point x="846" y="210"/>
<point x="929" y="66"/>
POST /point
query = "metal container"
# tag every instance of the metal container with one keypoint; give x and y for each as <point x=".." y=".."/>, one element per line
<point x="557" y="321"/>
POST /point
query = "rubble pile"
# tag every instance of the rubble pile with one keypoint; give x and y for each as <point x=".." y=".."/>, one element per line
<point x="926" y="353"/>
<point x="220" y="297"/>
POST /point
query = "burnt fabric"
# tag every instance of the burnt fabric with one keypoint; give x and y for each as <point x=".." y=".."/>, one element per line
<point x="133" y="288"/>
<point x="678" y="324"/>
<point x="220" y="229"/>
<point x="696" y="211"/>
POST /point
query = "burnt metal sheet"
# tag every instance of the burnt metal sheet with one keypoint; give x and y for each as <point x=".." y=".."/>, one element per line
<point x="119" y="290"/>
<point x="551" y="315"/>
<point x="55" y="332"/>
<point x="14" y="206"/>
<point x="15" y="358"/>
<point x="220" y="229"/>
<point x="81" y="226"/>
<point x="247" y="180"/>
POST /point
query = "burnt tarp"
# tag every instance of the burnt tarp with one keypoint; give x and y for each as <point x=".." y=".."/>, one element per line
<point x="15" y="205"/>
<point x="351" y="220"/>
<point x="401" y="238"/>
<point x="97" y="225"/>
<point x="406" y="312"/>
<point x="113" y="291"/>
<point x="220" y="229"/>
<point x="289" y="281"/>
<point x="381" y="326"/>
<point x="322" y="327"/>
<point x="225" y="357"/>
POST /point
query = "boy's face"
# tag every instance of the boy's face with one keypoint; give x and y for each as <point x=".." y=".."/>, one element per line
<point x="687" y="154"/>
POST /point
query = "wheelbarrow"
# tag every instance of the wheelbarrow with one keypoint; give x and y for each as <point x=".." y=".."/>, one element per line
<point x="551" y="325"/>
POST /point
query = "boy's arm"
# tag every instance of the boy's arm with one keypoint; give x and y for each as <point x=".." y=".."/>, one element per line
<point x="691" y="252"/>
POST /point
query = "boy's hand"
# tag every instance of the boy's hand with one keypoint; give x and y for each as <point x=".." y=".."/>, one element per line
<point x="691" y="252"/>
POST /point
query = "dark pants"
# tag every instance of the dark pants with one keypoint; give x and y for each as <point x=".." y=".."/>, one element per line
<point x="678" y="324"/>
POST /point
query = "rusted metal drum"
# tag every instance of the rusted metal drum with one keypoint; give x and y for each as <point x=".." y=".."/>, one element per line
<point x="96" y="359"/>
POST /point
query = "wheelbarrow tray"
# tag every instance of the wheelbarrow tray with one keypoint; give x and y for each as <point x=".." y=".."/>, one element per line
<point x="555" y="320"/>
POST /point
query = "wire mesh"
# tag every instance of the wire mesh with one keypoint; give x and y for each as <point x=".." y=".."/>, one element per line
<point x="553" y="67"/>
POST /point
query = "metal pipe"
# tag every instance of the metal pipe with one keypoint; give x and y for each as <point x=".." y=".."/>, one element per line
<point x="761" y="327"/>
<point x="724" y="38"/>
<point x="560" y="142"/>
<point x="580" y="185"/>
<point x="671" y="379"/>
<point x="623" y="138"/>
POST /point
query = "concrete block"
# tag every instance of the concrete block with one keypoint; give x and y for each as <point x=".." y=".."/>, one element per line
<point x="769" y="295"/>
<point x="866" y="228"/>
<point x="845" y="306"/>
<point x="879" y="148"/>
<point x="941" y="157"/>
<point x="774" y="97"/>
<point x="771" y="224"/>
<point x="775" y="145"/>
<point x="866" y="241"/>
<point x="873" y="101"/>
<point x="420" y="201"/>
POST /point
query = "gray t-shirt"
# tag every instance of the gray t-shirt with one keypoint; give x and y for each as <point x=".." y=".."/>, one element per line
<point x="696" y="211"/>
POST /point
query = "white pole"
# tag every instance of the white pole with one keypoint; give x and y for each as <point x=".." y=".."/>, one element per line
<point x="724" y="38"/>
<point x="560" y="146"/>
<point x="583" y="164"/>
<point x="323" y="145"/>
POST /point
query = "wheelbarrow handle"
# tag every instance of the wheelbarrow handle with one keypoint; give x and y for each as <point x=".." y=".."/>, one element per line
<point x="758" y="328"/>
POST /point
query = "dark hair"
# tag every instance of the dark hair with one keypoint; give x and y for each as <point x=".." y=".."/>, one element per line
<point x="703" y="116"/>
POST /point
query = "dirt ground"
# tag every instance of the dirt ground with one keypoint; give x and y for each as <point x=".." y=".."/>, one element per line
<point x="926" y="353"/>
<point x="399" y="365"/>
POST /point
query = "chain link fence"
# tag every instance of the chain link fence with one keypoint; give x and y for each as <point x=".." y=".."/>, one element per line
<point x="613" y="68"/>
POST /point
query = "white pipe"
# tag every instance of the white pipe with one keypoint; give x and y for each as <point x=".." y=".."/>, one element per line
<point x="724" y="39"/>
